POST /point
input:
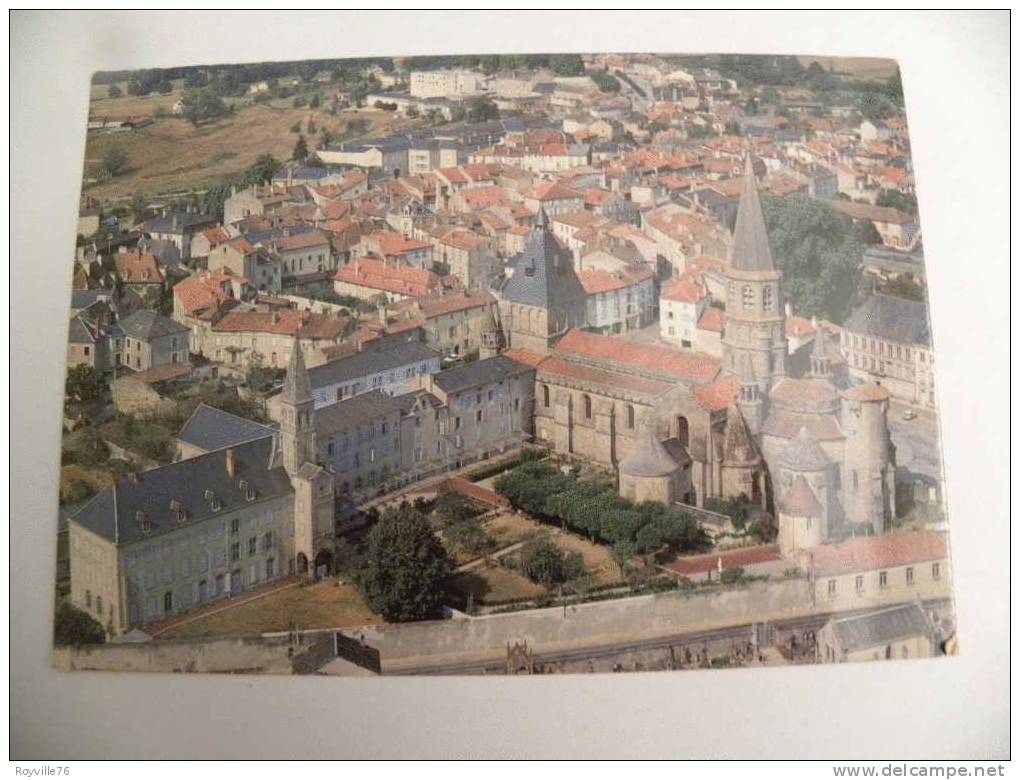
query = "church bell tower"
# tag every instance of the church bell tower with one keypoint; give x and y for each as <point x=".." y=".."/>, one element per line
<point x="297" y="425"/>
<point x="754" y="337"/>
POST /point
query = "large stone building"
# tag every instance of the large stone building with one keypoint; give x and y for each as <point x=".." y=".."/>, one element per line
<point x="163" y="541"/>
<point x="818" y="456"/>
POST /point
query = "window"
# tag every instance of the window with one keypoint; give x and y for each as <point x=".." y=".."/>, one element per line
<point x="883" y="579"/>
<point x="235" y="551"/>
<point x="832" y="588"/>
<point x="478" y="416"/>
<point x="99" y="604"/>
<point x="235" y="525"/>
<point x="545" y="396"/>
<point x="630" y="416"/>
<point x="253" y="544"/>
<point x="766" y="298"/>
<point x="168" y="601"/>
<point x="587" y="407"/>
<point x="88" y="599"/>
<point x="267" y="541"/>
<point x="87" y="350"/>
<point x="859" y="583"/>
<point x="270" y="568"/>
<point x="936" y="571"/>
<point x="748" y="296"/>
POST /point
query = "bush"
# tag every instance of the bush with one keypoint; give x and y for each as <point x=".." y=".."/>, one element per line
<point x="573" y="567"/>
<point x="72" y="626"/>
<point x="542" y="562"/>
<point x="470" y="537"/>
<point x="78" y="490"/>
<point x="731" y="574"/>
<point x="453" y="508"/>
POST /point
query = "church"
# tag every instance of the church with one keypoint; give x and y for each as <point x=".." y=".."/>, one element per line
<point x="679" y="426"/>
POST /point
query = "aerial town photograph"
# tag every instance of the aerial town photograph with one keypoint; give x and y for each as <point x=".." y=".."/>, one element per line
<point x="499" y="365"/>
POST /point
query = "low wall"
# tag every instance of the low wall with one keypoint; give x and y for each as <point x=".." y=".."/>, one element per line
<point x="595" y="623"/>
<point x="249" y="655"/>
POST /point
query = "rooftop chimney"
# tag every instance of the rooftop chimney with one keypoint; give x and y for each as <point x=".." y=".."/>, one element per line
<point x="231" y="462"/>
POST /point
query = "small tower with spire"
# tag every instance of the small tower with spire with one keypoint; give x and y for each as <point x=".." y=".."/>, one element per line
<point x="297" y="425"/>
<point x="754" y="336"/>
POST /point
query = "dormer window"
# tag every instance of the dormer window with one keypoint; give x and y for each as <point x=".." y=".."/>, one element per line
<point x="143" y="522"/>
<point x="214" y="501"/>
<point x="180" y="513"/>
<point x="248" y="490"/>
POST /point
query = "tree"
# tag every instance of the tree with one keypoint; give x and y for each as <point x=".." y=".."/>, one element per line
<point x="114" y="91"/>
<point x="201" y="105"/>
<point x="605" y="80"/>
<point x="139" y="207"/>
<point x="115" y="161"/>
<point x="73" y="626"/>
<point x="314" y="102"/>
<point x="84" y="383"/>
<point x="897" y="200"/>
<point x="470" y="537"/>
<point x="542" y="561"/>
<point x="404" y="566"/>
<point x="300" y="152"/>
<point x="260" y="171"/>
<point x="567" y="64"/>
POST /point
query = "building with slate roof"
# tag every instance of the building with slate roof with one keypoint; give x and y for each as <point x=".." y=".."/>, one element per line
<point x="152" y="340"/>
<point x="543" y="298"/>
<point x="888" y="340"/>
<point x="881" y="635"/>
<point x="210" y="429"/>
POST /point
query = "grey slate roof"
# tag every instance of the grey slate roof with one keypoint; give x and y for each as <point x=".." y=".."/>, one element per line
<point x="113" y="513"/>
<point x="478" y="373"/>
<point x="803" y="453"/>
<point x="210" y="429"/>
<point x="356" y="411"/>
<point x="369" y="361"/>
<point x="882" y="627"/>
<point x="891" y="319"/>
<point x="751" y="251"/>
<point x="80" y="332"/>
<point x="648" y="457"/>
<point x="297" y="387"/>
<point x="544" y="272"/>
<point x="82" y="299"/>
<point x="145" y="324"/>
<point x="186" y="221"/>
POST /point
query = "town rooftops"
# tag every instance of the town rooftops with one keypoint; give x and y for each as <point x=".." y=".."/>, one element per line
<point x="178" y="222"/>
<point x="882" y="627"/>
<point x="875" y="552"/>
<point x="683" y="291"/>
<point x="543" y="273"/>
<point x="145" y="325"/>
<point x="478" y="373"/>
<point x="357" y="411"/>
<point x="288" y="322"/>
<point x="210" y="428"/>
<point x="892" y="319"/>
<point x="370" y="361"/>
<point x="153" y="503"/>
<point x="137" y="268"/>
<point x="874" y="213"/>
<point x="745" y="557"/>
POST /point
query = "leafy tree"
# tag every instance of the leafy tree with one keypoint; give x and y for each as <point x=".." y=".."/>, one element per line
<point x="260" y="171"/>
<point x="201" y="105"/>
<point x="114" y="91"/>
<point x="542" y="561"/>
<point x="818" y="252"/>
<point x="314" y="160"/>
<point x="897" y="200"/>
<point x="605" y="80"/>
<point x="84" y="383"/>
<point x="300" y="152"/>
<point x="73" y="626"/>
<point x="404" y="566"/>
<point x="453" y="508"/>
<point x="78" y="490"/>
<point x="115" y="161"/>
<point x="139" y="207"/>
<point x="165" y="87"/>
<point x="567" y="64"/>
<point x="470" y="537"/>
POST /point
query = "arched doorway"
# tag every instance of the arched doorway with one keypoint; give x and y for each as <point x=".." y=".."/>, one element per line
<point x="323" y="564"/>
<point x="683" y="431"/>
<point x="302" y="563"/>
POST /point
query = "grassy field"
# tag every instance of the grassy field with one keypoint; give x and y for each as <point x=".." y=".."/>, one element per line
<point x="597" y="558"/>
<point x="323" y="605"/>
<point x="171" y="155"/>
<point x="494" y="585"/>
<point x="509" y="528"/>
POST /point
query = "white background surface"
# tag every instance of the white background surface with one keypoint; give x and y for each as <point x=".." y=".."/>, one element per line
<point x="956" y="79"/>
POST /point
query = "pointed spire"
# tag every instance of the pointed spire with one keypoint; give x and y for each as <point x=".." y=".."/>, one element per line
<point x="751" y="250"/>
<point x="648" y="457"/>
<point x="297" y="388"/>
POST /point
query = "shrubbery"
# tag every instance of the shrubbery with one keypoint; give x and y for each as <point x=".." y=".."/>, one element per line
<point x="598" y="511"/>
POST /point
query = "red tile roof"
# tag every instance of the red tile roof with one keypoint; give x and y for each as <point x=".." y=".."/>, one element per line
<point x="393" y="244"/>
<point x="745" y="556"/>
<point x="461" y="300"/>
<point x="527" y="357"/>
<point x="553" y="367"/>
<point x="718" y="395"/>
<point x="684" y="292"/>
<point x="289" y="322"/>
<point x="711" y="320"/>
<point x="866" y="392"/>
<point x="663" y="360"/>
<point x="138" y="268"/>
<point x="876" y="552"/>
<point x="398" y="279"/>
